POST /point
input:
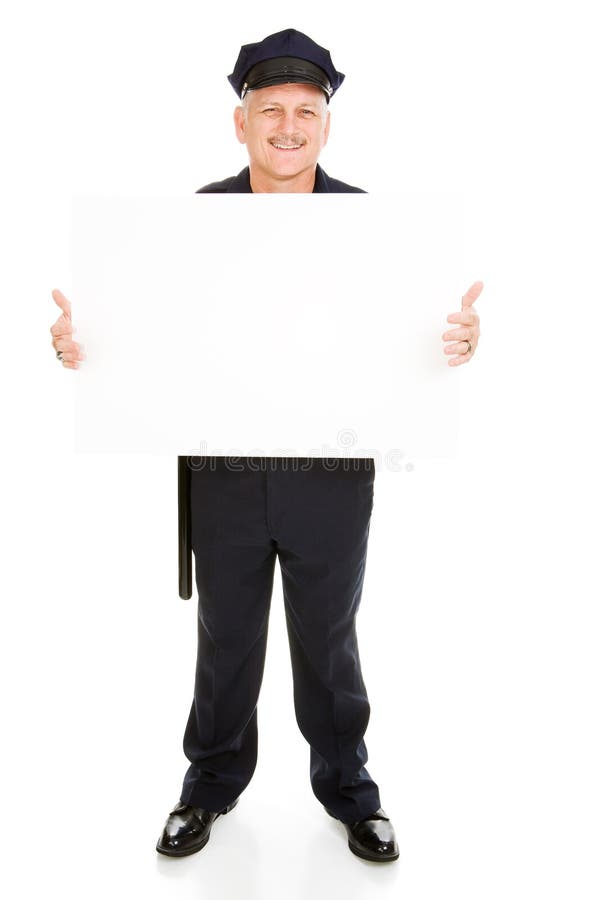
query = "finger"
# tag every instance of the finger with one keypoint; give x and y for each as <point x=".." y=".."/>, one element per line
<point x="70" y="365"/>
<point x="69" y="349"/>
<point x="460" y="347"/>
<point x="457" y="334"/>
<point x="61" y="326"/>
<point x="72" y="355"/>
<point x="460" y="359"/>
<point x="60" y="299"/>
<point x="467" y="316"/>
<point x="472" y="294"/>
<point x="65" y="344"/>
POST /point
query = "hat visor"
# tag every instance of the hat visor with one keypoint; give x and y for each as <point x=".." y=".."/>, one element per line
<point x="287" y="78"/>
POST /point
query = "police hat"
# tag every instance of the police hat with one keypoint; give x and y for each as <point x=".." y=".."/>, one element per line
<point x="283" y="58"/>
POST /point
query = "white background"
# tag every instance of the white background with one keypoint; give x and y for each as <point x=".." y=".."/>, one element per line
<point x="479" y="624"/>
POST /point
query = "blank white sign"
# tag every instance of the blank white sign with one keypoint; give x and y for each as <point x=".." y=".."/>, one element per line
<point x="267" y="324"/>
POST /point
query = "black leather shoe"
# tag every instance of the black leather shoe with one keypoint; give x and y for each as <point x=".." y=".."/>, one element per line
<point x="188" y="829"/>
<point x="372" y="838"/>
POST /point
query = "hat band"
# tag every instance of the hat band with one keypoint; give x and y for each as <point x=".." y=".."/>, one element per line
<point x="285" y="70"/>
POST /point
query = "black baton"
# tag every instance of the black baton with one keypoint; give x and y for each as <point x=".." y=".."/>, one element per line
<point x="185" y="528"/>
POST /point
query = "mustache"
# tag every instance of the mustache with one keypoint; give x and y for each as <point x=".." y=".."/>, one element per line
<point x="287" y="140"/>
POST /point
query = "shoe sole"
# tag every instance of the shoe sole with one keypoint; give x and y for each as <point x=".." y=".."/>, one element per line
<point x="190" y="850"/>
<point x="377" y="859"/>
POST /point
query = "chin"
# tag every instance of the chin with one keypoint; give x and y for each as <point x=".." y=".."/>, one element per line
<point x="290" y="166"/>
<point x="289" y="169"/>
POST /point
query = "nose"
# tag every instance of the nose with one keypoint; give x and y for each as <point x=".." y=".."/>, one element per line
<point x="288" y="123"/>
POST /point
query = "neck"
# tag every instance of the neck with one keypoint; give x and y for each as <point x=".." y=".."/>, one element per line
<point x="302" y="183"/>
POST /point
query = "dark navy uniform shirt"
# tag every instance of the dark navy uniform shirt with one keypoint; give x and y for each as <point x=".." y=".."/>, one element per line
<point x="240" y="184"/>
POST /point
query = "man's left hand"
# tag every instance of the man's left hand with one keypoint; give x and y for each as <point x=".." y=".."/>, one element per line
<point x="468" y="329"/>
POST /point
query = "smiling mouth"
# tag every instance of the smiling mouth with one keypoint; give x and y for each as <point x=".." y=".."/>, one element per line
<point x="285" y="146"/>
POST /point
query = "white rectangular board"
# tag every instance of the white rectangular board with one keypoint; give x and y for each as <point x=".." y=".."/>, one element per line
<point x="267" y="324"/>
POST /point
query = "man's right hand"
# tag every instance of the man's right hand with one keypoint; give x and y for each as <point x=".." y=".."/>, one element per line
<point x="62" y="331"/>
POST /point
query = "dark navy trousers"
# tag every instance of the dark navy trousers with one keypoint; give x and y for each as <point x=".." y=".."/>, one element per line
<point x="313" y="515"/>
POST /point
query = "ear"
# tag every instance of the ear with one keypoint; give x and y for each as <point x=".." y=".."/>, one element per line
<point x="240" y="124"/>
<point x="326" y="132"/>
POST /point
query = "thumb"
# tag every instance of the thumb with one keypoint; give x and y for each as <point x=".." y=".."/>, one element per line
<point x="472" y="294"/>
<point x="60" y="299"/>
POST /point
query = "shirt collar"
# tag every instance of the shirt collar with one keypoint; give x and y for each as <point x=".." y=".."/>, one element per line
<point x="241" y="182"/>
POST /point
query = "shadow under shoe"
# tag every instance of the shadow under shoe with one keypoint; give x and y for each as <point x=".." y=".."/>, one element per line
<point x="187" y="829"/>
<point x="372" y="838"/>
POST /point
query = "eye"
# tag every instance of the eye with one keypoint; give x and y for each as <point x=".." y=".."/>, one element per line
<point x="309" y="111"/>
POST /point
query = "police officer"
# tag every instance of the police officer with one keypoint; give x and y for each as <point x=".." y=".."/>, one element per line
<point x="311" y="514"/>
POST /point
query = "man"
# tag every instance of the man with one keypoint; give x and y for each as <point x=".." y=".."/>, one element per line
<point x="311" y="514"/>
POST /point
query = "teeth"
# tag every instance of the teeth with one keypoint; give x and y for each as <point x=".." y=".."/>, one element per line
<point x="284" y="147"/>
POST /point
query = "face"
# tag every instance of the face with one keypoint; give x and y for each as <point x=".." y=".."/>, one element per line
<point x="286" y="128"/>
